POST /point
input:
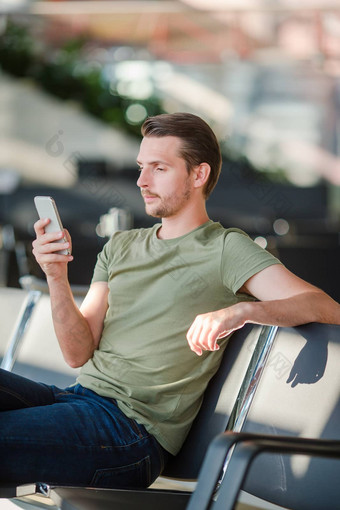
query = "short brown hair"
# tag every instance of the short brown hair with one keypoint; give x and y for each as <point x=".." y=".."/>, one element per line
<point x="199" y="143"/>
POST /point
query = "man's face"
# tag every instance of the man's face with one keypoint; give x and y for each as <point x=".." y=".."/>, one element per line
<point x="164" y="181"/>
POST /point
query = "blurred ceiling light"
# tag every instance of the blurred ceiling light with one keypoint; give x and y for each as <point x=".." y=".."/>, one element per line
<point x="132" y="70"/>
<point x="281" y="227"/>
<point x="141" y="89"/>
<point x="261" y="241"/>
<point x="198" y="97"/>
<point x="105" y="7"/>
<point x="133" y="79"/>
<point x="136" y="113"/>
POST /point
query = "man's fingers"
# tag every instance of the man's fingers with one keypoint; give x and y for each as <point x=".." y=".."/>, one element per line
<point x="39" y="226"/>
<point x="202" y="335"/>
<point x="46" y="241"/>
<point x="210" y="327"/>
<point x="50" y="247"/>
<point x="193" y="336"/>
<point x="50" y="258"/>
<point x="68" y="239"/>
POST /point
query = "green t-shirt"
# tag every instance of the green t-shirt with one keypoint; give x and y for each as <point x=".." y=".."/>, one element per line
<point x="156" y="289"/>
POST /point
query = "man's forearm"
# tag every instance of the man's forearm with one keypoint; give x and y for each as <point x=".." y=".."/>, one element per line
<point x="283" y="300"/>
<point x="300" y="309"/>
<point x="72" y="330"/>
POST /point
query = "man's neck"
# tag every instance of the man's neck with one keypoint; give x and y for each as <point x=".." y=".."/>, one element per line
<point x="176" y="227"/>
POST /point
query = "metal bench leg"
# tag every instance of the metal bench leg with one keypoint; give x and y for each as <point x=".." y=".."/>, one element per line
<point x="17" y="337"/>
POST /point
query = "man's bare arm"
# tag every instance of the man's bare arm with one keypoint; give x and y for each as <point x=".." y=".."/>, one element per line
<point x="285" y="300"/>
<point x="78" y="331"/>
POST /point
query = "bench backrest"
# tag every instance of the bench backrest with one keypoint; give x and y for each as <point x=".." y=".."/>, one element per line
<point x="218" y="403"/>
<point x="298" y="394"/>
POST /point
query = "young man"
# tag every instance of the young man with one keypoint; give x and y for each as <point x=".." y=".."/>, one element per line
<point x="151" y="331"/>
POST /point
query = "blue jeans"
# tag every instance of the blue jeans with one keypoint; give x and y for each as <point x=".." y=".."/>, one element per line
<point x="71" y="436"/>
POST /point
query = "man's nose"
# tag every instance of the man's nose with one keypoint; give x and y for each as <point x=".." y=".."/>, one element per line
<point x="143" y="179"/>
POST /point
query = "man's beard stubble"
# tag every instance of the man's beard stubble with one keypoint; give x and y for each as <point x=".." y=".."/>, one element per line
<point x="171" y="204"/>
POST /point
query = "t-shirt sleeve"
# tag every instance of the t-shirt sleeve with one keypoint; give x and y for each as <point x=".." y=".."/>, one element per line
<point x="101" y="273"/>
<point x="243" y="258"/>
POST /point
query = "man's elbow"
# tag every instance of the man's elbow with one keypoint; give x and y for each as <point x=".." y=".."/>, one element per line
<point x="76" y="361"/>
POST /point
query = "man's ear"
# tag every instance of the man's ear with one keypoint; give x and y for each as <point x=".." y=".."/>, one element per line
<point x="201" y="174"/>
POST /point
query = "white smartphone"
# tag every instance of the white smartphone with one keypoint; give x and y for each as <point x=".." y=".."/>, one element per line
<point x="47" y="208"/>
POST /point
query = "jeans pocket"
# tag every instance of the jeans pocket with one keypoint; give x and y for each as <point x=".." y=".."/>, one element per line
<point x="131" y="476"/>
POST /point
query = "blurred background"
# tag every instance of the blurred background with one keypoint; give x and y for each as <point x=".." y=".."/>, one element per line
<point x="78" y="78"/>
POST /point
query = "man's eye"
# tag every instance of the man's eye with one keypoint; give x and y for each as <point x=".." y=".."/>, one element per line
<point x="160" y="169"/>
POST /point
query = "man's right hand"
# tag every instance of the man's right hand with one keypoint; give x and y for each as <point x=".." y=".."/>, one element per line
<point x="45" y="247"/>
